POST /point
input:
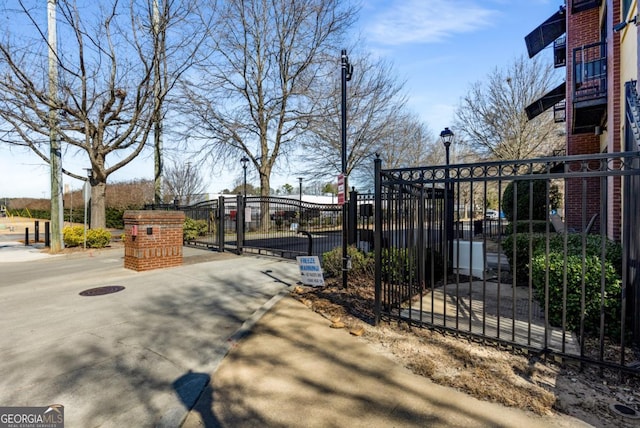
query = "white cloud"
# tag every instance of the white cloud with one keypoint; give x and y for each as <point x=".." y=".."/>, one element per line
<point x="420" y="21"/>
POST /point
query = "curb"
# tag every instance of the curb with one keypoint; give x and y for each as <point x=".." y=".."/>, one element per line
<point x="176" y="415"/>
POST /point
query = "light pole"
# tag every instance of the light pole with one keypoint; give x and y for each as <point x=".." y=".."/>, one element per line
<point x="447" y="138"/>
<point x="347" y="71"/>
<point x="300" y="198"/>
<point x="244" y="162"/>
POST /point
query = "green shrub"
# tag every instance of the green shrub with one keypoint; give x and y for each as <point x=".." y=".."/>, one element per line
<point x="191" y="229"/>
<point x="613" y="250"/>
<point x="73" y="236"/>
<point x="113" y="218"/>
<point x="98" y="238"/>
<point x="520" y="265"/>
<point x="522" y="226"/>
<point x="593" y="247"/>
<point x="539" y="196"/>
<point x="360" y="262"/>
<point x="592" y="294"/>
<point x="399" y="265"/>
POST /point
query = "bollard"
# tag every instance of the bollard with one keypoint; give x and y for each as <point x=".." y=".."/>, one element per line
<point x="310" y="245"/>
<point x="36" y="232"/>
<point x="26" y="236"/>
<point x="47" y="237"/>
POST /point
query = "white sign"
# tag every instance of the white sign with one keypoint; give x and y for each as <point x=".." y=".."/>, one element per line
<point x="310" y="270"/>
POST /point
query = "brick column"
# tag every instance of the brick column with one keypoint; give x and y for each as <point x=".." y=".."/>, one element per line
<point x="153" y="239"/>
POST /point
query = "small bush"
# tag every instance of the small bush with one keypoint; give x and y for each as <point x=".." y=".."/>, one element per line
<point x="360" y="262"/>
<point x="191" y="229"/>
<point x="520" y="265"/>
<point x="522" y="226"/>
<point x="399" y="265"/>
<point x="592" y="293"/>
<point x="73" y="236"/>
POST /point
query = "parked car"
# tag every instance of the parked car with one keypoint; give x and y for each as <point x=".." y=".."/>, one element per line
<point x="492" y="215"/>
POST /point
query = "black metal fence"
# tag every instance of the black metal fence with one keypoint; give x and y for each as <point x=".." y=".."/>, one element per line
<point x="529" y="278"/>
<point x="279" y="226"/>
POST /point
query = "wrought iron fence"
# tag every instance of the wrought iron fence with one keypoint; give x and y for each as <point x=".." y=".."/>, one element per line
<point x="550" y="275"/>
<point x="290" y="227"/>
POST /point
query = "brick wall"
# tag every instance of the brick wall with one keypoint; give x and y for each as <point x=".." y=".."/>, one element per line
<point x="583" y="200"/>
<point x="158" y="243"/>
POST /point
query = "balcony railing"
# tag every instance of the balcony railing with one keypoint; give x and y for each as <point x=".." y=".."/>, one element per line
<point x="590" y="72"/>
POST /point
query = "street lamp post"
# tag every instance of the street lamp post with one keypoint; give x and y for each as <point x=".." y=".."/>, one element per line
<point x="447" y="138"/>
<point x="244" y="161"/>
<point x="347" y="71"/>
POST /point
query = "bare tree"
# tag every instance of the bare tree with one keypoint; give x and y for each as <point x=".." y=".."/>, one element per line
<point x="106" y="81"/>
<point x="491" y="118"/>
<point x="375" y="105"/>
<point x="378" y="123"/>
<point x="183" y="181"/>
<point x="407" y="142"/>
<point x="254" y="97"/>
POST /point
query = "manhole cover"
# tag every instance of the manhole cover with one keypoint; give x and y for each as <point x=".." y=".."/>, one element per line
<point x="625" y="411"/>
<point x="99" y="291"/>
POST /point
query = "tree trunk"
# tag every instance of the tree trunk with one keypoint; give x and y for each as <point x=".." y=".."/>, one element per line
<point x="98" y="197"/>
<point x="265" y="219"/>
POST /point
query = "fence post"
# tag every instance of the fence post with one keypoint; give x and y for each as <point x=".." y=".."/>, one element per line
<point x="221" y="224"/>
<point x="377" y="237"/>
<point x="353" y="216"/>
<point x="239" y="222"/>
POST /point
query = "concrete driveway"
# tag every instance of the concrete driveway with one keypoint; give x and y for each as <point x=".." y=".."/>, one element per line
<point x="137" y="357"/>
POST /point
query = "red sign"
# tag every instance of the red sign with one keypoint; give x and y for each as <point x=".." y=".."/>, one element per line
<point x="342" y="191"/>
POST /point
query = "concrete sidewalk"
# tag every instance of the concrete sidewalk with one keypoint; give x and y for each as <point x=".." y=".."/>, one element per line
<point x="144" y="356"/>
<point x="293" y="371"/>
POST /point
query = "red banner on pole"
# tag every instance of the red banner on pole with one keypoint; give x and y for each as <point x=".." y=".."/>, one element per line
<point x="341" y="190"/>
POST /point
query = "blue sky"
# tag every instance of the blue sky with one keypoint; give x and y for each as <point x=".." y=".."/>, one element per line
<point x="439" y="47"/>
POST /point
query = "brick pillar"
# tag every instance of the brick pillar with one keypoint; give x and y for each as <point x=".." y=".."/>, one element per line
<point x="158" y="241"/>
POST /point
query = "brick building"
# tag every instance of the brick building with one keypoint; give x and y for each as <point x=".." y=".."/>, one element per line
<point x="596" y="41"/>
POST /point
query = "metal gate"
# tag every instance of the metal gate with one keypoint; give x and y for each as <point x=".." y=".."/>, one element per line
<point x="491" y="250"/>
<point x="289" y="227"/>
<point x="278" y="226"/>
<point x="220" y="220"/>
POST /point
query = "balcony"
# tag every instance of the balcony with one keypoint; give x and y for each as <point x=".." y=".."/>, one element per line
<point x="582" y="5"/>
<point x="590" y="87"/>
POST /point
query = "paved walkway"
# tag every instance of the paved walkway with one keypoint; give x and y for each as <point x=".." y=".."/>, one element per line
<point x="143" y="357"/>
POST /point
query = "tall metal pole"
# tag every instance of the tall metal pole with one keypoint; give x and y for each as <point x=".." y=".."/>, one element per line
<point x="55" y="155"/>
<point x="300" y="201"/>
<point x="347" y="69"/>
<point x="158" y="41"/>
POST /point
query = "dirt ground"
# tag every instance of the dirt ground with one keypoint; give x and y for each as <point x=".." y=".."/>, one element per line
<point x="486" y="372"/>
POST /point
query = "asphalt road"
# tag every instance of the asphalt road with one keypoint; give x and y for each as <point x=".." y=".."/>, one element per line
<point x="132" y="358"/>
